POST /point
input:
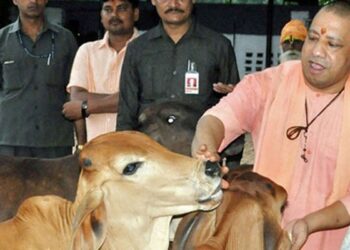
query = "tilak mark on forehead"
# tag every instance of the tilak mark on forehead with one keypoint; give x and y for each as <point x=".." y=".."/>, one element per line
<point x="323" y="31"/>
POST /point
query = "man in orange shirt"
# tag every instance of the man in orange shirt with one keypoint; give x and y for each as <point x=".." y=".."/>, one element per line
<point x="299" y="117"/>
<point x="94" y="80"/>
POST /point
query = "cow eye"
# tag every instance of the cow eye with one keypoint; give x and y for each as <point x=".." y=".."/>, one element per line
<point x="131" y="168"/>
<point x="171" y="119"/>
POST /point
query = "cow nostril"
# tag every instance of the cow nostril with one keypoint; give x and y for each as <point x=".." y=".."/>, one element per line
<point x="212" y="169"/>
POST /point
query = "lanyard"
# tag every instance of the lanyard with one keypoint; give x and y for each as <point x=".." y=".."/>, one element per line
<point x="48" y="56"/>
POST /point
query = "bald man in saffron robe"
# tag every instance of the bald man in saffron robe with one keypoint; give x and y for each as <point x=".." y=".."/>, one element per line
<point x="299" y="116"/>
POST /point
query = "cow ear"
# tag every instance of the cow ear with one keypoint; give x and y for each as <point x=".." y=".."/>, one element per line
<point x="89" y="223"/>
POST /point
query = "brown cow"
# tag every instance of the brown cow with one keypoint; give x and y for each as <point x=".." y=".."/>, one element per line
<point x="247" y="219"/>
<point x="172" y="124"/>
<point x="23" y="177"/>
<point x="128" y="190"/>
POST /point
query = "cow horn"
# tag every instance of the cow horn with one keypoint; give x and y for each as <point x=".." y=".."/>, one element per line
<point x="86" y="162"/>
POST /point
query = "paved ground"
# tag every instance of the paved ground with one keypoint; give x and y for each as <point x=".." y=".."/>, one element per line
<point x="248" y="152"/>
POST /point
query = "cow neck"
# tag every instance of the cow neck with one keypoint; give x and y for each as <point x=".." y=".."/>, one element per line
<point x="121" y="233"/>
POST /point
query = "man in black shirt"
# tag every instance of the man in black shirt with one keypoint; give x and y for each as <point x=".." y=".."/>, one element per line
<point x="179" y="60"/>
<point x="35" y="61"/>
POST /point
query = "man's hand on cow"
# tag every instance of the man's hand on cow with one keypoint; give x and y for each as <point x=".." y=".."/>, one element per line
<point x="222" y="88"/>
<point x="206" y="155"/>
<point x="298" y="232"/>
<point x="72" y="110"/>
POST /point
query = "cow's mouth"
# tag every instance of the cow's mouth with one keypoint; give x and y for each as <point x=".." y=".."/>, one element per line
<point x="216" y="195"/>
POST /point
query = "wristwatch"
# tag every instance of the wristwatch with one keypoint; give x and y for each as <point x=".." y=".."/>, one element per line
<point x="84" y="109"/>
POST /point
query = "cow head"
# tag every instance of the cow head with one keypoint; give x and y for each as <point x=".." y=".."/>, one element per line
<point x="141" y="181"/>
<point x="273" y="197"/>
<point x="172" y="124"/>
<point x="141" y="171"/>
<point x="248" y="217"/>
<point x="272" y="200"/>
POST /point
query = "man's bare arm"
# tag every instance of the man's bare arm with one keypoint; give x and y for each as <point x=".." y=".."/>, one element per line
<point x="331" y="217"/>
<point x="208" y="137"/>
<point x="80" y="130"/>
<point x="97" y="103"/>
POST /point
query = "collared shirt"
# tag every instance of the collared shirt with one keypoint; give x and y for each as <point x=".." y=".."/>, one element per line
<point x="154" y="70"/>
<point x="97" y="68"/>
<point x="32" y="87"/>
<point x="246" y="109"/>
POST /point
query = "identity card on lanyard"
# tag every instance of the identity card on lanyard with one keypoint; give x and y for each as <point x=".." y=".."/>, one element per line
<point x="191" y="79"/>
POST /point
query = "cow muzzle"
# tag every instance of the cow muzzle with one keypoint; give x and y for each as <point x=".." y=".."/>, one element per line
<point x="213" y="194"/>
<point x="212" y="169"/>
